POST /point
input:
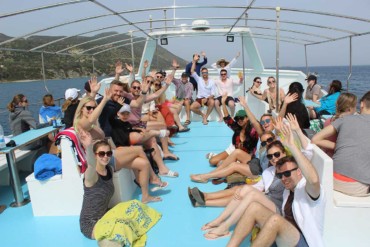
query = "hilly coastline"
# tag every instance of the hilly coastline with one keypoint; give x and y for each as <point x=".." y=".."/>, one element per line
<point x="16" y="65"/>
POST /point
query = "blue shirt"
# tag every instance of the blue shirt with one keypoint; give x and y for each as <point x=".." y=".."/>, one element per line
<point x="198" y="66"/>
<point x="328" y="103"/>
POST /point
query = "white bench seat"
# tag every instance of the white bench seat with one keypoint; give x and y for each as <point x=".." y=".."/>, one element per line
<point x="342" y="200"/>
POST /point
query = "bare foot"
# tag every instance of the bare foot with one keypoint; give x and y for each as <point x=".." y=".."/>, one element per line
<point x="208" y="226"/>
<point x="198" y="178"/>
<point x="150" y="199"/>
<point x="213" y="235"/>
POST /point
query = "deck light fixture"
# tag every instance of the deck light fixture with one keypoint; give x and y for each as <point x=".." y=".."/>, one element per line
<point x="164" y="41"/>
<point x="230" y="38"/>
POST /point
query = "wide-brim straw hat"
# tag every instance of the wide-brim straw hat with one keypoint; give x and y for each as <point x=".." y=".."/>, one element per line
<point x="222" y="60"/>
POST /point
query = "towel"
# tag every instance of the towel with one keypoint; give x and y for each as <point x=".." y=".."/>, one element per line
<point x="46" y="166"/>
<point x="47" y="113"/>
<point x="76" y="145"/>
<point x="127" y="223"/>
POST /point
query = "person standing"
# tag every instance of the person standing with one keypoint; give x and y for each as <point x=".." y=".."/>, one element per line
<point x="198" y="66"/>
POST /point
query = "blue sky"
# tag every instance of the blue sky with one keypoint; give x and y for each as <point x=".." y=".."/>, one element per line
<point x="333" y="53"/>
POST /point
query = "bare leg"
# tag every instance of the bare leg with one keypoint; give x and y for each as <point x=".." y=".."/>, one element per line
<point x="236" y="155"/>
<point x="187" y="109"/>
<point x="164" y="140"/>
<point x="176" y="118"/>
<point x="133" y="158"/>
<point x="210" y="106"/>
<point x="238" y="205"/>
<point x="217" y="158"/>
<point x="195" y="107"/>
<point x="218" y="109"/>
<point x="224" y="172"/>
<point x="255" y="213"/>
<point x="231" y="105"/>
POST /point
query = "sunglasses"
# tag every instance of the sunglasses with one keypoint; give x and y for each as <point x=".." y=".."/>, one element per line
<point x="223" y="74"/>
<point x="101" y="154"/>
<point x="286" y="174"/>
<point x="205" y="73"/>
<point x="267" y="121"/>
<point x="269" y="140"/>
<point x="136" y="88"/>
<point x="276" y="154"/>
<point x="89" y="108"/>
<point x="271" y="81"/>
<point x="259" y="81"/>
<point x="239" y="118"/>
<point x="159" y="77"/>
<point x="149" y="81"/>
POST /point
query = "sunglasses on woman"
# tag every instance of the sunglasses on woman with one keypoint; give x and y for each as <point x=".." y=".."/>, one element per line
<point x="239" y="118"/>
<point x="89" y="108"/>
<point x="267" y="121"/>
<point x="276" y="154"/>
<point x="286" y="174"/>
<point x="269" y="140"/>
<point x="101" y="154"/>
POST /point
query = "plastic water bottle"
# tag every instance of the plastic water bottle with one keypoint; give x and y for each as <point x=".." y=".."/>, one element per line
<point x="2" y="139"/>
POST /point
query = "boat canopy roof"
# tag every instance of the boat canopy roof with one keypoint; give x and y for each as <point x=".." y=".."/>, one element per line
<point x="152" y="20"/>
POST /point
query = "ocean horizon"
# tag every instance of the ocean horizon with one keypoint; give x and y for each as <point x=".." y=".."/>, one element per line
<point x="35" y="90"/>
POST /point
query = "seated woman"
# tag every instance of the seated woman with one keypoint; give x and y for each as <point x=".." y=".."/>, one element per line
<point x="124" y="135"/>
<point x="255" y="89"/>
<point x="98" y="190"/>
<point x="271" y="198"/>
<point x="70" y="106"/>
<point x="271" y="93"/>
<point x="313" y="91"/>
<point x="293" y="104"/>
<point x="20" y="119"/>
<point x="49" y="110"/>
<point x="134" y="158"/>
<point x="327" y="103"/>
<point x="346" y="105"/>
<point x="246" y="130"/>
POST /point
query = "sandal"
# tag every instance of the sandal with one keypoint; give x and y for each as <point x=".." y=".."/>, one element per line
<point x="161" y="186"/>
<point x="170" y="174"/>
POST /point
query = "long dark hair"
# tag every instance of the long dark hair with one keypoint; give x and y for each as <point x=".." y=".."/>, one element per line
<point x="335" y="86"/>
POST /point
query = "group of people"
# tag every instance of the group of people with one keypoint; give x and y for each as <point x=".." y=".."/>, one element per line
<point x="278" y="193"/>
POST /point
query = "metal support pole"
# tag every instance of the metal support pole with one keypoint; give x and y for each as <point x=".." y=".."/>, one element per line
<point x="43" y="71"/>
<point x="15" y="181"/>
<point x="350" y="62"/>
<point x="277" y="58"/>
<point x="132" y="53"/>
<point x="174" y="12"/>
<point x="151" y="23"/>
<point x="165" y="19"/>
<point x="305" y="57"/>
<point x="246" y="19"/>
<point x="244" y="79"/>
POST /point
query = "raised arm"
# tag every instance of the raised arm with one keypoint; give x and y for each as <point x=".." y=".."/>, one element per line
<point x="320" y="139"/>
<point x="233" y="61"/>
<point x="288" y="99"/>
<point x="294" y="125"/>
<point x="224" y="108"/>
<point x="94" y="86"/>
<point x="256" y="124"/>
<point x="119" y="70"/>
<point x="205" y="60"/>
<point x="175" y="66"/>
<point x="131" y="77"/>
<point x="145" y="67"/>
<point x="90" y="175"/>
<point x="308" y="170"/>
<point x="158" y="93"/>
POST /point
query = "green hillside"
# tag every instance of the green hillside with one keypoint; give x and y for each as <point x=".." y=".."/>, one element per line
<point x="27" y="65"/>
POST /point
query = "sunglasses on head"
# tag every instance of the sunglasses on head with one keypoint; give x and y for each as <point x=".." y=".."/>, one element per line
<point x="89" y="108"/>
<point x="136" y="88"/>
<point x="276" y="154"/>
<point x="267" y="121"/>
<point x="101" y="154"/>
<point x="286" y="174"/>
<point x="239" y="118"/>
<point x="269" y="140"/>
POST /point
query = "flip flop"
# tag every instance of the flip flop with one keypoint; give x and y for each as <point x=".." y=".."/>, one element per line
<point x="170" y="158"/>
<point x="170" y="174"/>
<point x="192" y="200"/>
<point x="161" y="186"/>
<point x="214" y="236"/>
<point x="198" y="196"/>
<point x="184" y="130"/>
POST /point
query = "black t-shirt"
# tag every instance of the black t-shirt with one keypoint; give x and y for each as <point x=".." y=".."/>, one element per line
<point x="69" y="115"/>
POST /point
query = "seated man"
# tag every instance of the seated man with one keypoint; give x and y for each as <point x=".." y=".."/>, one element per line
<point x="302" y="223"/>
<point x="184" y="91"/>
<point x="206" y="92"/>
<point x="351" y="150"/>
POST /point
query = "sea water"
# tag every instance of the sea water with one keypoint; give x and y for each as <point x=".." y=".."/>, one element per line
<point x="35" y="90"/>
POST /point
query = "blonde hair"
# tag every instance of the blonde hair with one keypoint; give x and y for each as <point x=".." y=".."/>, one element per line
<point x="82" y="103"/>
<point x="344" y="101"/>
<point x="15" y="102"/>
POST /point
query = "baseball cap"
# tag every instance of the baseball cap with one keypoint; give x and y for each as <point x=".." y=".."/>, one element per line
<point x="184" y="74"/>
<point x="311" y="77"/>
<point x="241" y="113"/>
<point x="71" y="93"/>
<point x="125" y="108"/>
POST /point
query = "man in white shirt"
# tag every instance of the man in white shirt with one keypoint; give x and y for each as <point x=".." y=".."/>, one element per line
<point x="206" y="92"/>
<point x="303" y="209"/>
